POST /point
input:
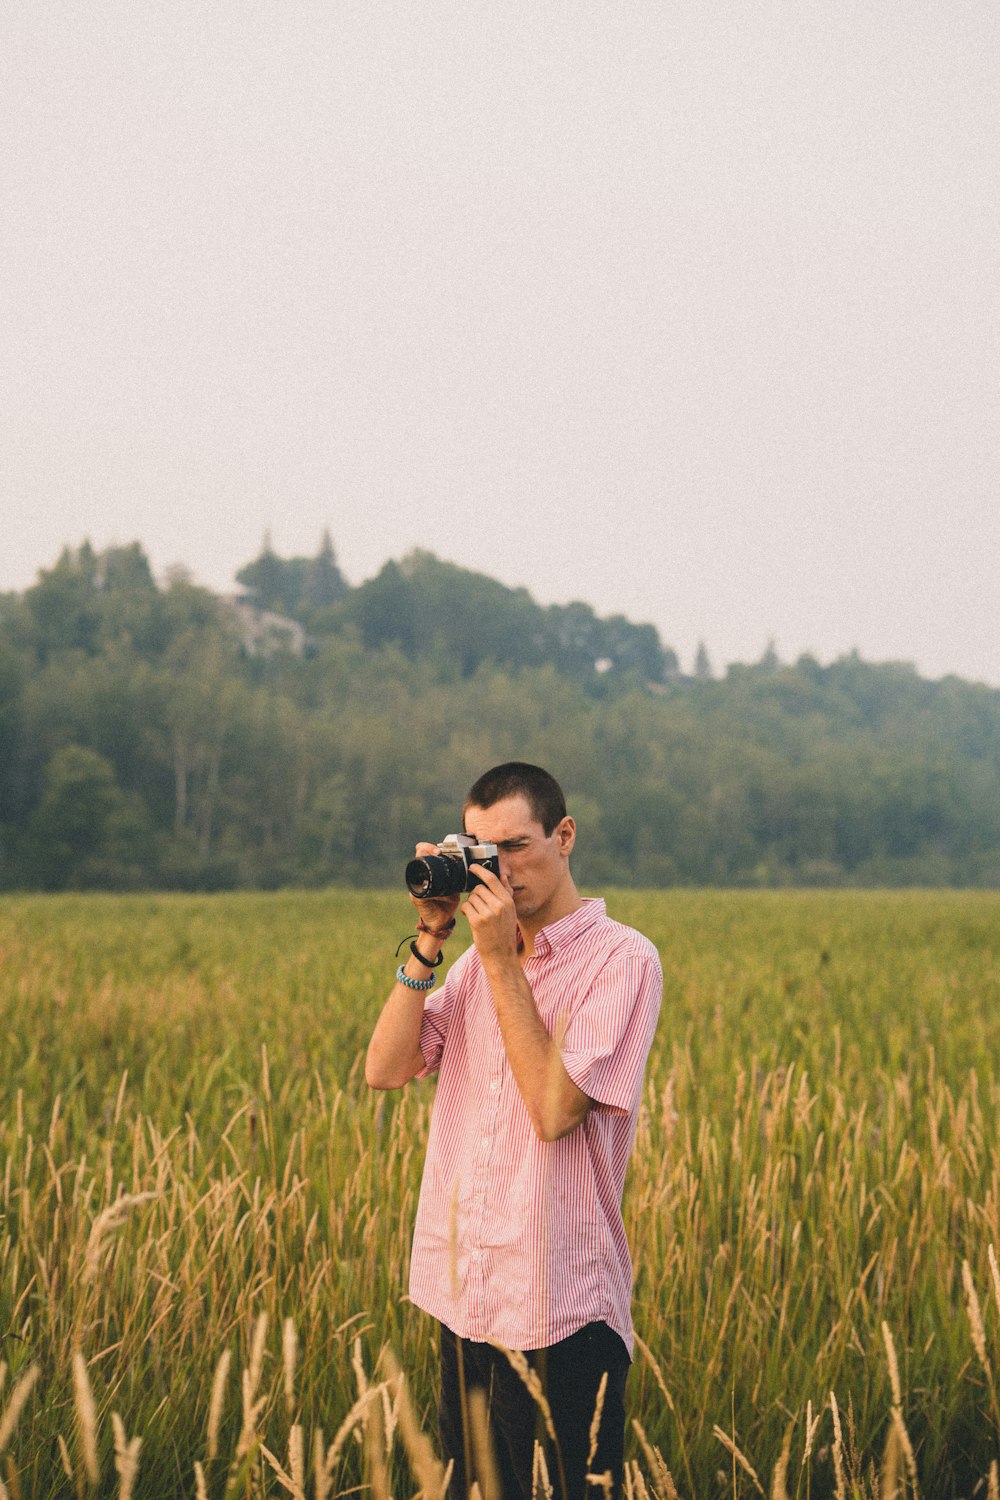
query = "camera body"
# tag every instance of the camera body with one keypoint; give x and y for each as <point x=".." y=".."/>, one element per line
<point x="447" y="872"/>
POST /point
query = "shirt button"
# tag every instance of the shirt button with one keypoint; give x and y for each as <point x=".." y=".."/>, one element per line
<point x="495" y="1085"/>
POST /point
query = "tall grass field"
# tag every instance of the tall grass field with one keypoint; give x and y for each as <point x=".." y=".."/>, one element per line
<point x="205" y="1215"/>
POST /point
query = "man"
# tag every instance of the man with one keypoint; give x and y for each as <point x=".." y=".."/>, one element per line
<point x="540" y="1036"/>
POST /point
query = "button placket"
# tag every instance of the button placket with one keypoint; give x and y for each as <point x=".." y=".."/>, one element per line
<point x="482" y="1159"/>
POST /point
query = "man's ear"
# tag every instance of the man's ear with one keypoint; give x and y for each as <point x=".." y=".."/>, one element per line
<point x="566" y="834"/>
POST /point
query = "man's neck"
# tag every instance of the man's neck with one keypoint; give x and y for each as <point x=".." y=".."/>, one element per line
<point x="563" y="904"/>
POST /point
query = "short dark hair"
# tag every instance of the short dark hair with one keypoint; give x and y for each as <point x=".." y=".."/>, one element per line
<point x="516" y="778"/>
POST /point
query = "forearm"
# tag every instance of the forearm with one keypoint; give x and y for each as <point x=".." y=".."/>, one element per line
<point x="554" y="1103"/>
<point x="394" y="1055"/>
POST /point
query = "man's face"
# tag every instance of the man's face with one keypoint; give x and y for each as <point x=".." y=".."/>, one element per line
<point x="534" y="864"/>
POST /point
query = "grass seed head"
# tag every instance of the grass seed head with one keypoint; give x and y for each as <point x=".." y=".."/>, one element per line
<point x="426" y="1468"/>
<point x="975" y="1319"/>
<point x="889" y="1477"/>
<point x="662" y="1476"/>
<point x="890" y="1351"/>
<point x="484" y="1455"/>
<point x="595" y="1421"/>
<point x="288" y="1353"/>
<point x="907" y="1449"/>
<point x="64" y="1458"/>
<point x="321" y="1479"/>
<point x="994" y="1276"/>
<point x="356" y="1415"/>
<point x="358" y="1366"/>
<point x="529" y="1378"/>
<point x="541" y="1484"/>
<point x="812" y="1424"/>
<point x="216" y="1403"/>
<point x="18" y="1400"/>
<point x="86" y="1416"/>
<point x="657" y="1372"/>
<point x="107" y="1221"/>
<point x="741" y="1458"/>
<point x="838" y="1451"/>
<point x="126" y="1458"/>
<point x="297" y="1456"/>
<point x="257" y="1347"/>
<point x="779" y="1479"/>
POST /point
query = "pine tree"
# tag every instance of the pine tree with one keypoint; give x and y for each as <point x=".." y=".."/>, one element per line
<point x="325" y="583"/>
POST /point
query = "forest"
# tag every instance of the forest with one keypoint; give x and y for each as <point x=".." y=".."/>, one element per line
<point x="306" y="732"/>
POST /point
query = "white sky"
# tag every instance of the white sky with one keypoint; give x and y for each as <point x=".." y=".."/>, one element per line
<point x="686" y="308"/>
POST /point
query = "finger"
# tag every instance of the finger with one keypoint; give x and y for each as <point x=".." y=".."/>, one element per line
<point x="483" y="906"/>
<point x="488" y="879"/>
<point x="434" y="914"/>
<point x="435" y="905"/>
<point x="488" y="900"/>
<point x="423" y="849"/>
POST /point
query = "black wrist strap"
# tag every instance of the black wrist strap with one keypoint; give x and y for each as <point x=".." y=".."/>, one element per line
<point x="428" y="963"/>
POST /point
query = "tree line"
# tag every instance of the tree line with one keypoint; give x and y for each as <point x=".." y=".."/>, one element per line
<point x="147" y="741"/>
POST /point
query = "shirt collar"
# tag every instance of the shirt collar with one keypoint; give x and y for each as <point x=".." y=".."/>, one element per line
<point x="559" y="934"/>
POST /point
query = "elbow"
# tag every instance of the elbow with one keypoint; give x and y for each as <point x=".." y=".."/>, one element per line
<point x="553" y="1130"/>
<point x="559" y="1111"/>
<point x="384" y="1073"/>
<point x="552" y="1124"/>
<point x="376" y="1075"/>
<point x="374" y="1079"/>
<point x="382" y="1081"/>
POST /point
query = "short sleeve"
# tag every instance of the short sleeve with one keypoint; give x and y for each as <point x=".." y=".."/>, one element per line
<point x="609" y="1035"/>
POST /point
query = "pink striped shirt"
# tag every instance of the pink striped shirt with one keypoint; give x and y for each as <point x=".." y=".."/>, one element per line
<point x="518" y="1239"/>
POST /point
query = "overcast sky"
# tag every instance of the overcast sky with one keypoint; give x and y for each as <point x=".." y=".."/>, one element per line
<point x="682" y="307"/>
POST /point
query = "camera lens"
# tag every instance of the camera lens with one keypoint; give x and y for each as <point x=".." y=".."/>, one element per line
<point x="435" y="875"/>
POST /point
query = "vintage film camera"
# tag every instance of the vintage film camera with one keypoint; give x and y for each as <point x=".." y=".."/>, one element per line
<point x="447" y="872"/>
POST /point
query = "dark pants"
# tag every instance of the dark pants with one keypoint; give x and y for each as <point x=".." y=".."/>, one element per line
<point x="570" y="1374"/>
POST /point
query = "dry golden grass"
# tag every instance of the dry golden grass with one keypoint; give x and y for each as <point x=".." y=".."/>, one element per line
<point x="205" y="1216"/>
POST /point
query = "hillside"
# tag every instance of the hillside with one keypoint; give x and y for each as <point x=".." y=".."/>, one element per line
<point x="147" y="740"/>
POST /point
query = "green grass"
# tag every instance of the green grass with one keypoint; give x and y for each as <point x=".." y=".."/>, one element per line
<point x="817" y="1156"/>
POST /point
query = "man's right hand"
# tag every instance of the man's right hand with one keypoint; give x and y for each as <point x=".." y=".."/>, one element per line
<point x="437" y="913"/>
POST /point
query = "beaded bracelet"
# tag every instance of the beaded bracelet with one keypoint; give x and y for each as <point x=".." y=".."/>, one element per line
<point x="414" y="984"/>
